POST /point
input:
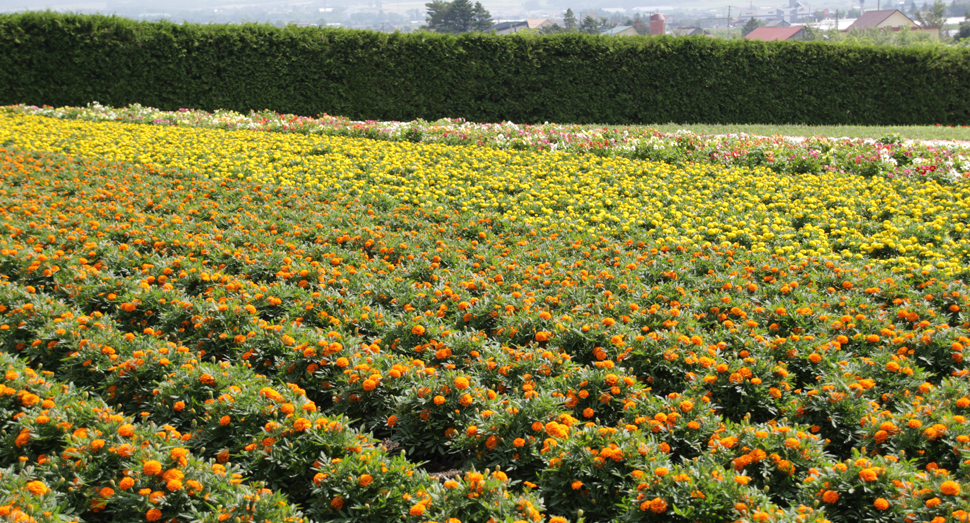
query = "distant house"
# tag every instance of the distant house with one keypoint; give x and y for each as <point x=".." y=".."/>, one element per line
<point x="690" y="31"/>
<point x="778" y="23"/>
<point x="505" y="28"/>
<point x="776" y="34"/>
<point x="620" y="30"/>
<point x="893" y="20"/>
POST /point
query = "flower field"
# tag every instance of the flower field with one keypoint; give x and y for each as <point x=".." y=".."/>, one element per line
<point x="221" y="324"/>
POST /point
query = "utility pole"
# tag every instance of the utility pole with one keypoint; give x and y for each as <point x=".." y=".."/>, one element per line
<point x="729" y="17"/>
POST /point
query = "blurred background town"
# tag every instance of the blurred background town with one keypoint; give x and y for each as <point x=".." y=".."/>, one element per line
<point x="908" y="20"/>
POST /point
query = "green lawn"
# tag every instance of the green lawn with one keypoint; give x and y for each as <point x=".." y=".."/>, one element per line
<point x="924" y="132"/>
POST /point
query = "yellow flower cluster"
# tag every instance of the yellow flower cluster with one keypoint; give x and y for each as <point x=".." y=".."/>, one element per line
<point x="905" y="224"/>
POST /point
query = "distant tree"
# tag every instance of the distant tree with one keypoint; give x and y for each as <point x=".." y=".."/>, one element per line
<point x="751" y="25"/>
<point x="553" y="29"/>
<point x="590" y="25"/>
<point x="933" y="16"/>
<point x="458" y="16"/>
<point x="964" y="32"/>
<point x="569" y="20"/>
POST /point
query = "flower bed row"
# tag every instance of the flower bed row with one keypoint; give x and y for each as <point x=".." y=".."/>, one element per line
<point x="279" y="330"/>
<point x="890" y="156"/>
<point x="906" y="225"/>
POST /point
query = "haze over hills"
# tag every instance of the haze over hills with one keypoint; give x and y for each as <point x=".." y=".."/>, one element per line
<point x="408" y="15"/>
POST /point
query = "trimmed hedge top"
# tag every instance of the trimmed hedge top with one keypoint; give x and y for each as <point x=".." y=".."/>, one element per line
<point x="60" y="59"/>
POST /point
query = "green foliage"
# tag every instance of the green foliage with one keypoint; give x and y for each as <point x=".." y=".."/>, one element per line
<point x="933" y="16"/>
<point x="458" y="16"/>
<point x="55" y="59"/>
<point x="569" y="20"/>
<point x="963" y="33"/>
<point x="751" y="25"/>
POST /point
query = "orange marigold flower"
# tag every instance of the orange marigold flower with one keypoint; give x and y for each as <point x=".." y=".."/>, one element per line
<point x="126" y="431"/>
<point x="302" y="424"/>
<point x="107" y="492"/>
<point x="416" y="510"/>
<point x="868" y="474"/>
<point x="661" y="471"/>
<point x="577" y="485"/>
<point x="830" y="496"/>
<point x="37" y="488"/>
<point x="29" y="399"/>
<point x="461" y="383"/>
<point x="658" y="506"/>
<point x="126" y="483"/>
<point x="153" y="514"/>
<point x="950" y="488"/>
<point x="225" y="420"/>
<point x="881" y="504"/>
<point x="152" y="468"/>
<point x="418" y="330"/>
<point x="172" y="474"/>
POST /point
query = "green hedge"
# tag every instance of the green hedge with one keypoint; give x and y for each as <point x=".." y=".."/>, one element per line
<point x="56" y="59"/>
